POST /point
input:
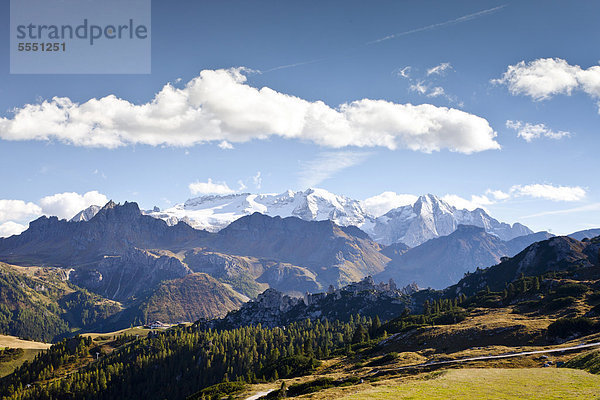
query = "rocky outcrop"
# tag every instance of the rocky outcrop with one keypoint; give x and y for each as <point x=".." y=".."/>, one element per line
<point x="290" y="279"/>
<point x="273" y="308"/>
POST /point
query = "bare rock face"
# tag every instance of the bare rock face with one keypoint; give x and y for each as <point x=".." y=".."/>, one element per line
<point x="129" y="275"/>
<point x="87" y="214"/>
<point x="291" y="279"/>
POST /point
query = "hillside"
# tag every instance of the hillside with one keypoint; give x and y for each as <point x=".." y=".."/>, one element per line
<point x="193" y="297"/>
<point x="38" y="303"/>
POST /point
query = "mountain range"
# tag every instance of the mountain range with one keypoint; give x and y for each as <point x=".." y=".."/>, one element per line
<point x="151" y="268"/>
<point x="147" y="268"/>
<point x="429" y="217"/>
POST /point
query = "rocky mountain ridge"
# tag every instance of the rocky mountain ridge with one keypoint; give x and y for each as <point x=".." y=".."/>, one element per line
<point x="273" y="308"/>
<point x="560" y="253"/>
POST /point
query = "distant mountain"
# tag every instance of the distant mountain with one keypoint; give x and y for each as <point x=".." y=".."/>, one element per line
<point x="395" y="250"/>
<point x="521" y="242"/>
<point x="115" y="229"/>
<point x="442" y="261"/>
<point x="428" y="218"/>
<point x="554" y="254"/>
<point x="586" y="234"/>
<point x="431" y="217"/>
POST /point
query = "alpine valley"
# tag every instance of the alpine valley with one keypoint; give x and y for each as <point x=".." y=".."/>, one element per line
<point x="319" y="280"/>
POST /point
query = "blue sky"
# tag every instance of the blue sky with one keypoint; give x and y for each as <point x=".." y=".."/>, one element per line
<point x="548" y="182"/>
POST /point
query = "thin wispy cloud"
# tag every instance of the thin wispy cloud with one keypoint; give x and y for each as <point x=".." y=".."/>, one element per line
<point x="455" y="21"/>
<point x="327" y="164"/>
<point x="426" y="85"/>
<point x="294" y="65"/>
<point x="459" y="20"/>
<point x="586" y="208"/>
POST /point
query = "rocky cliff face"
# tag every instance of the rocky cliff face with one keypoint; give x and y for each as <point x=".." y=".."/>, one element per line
<point x="130" y="275"/>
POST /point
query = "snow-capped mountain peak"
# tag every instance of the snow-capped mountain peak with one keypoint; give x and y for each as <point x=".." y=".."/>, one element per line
<point x="429" y="217"/>
<point x="87" y="214"/>
<point x="216" y="212"/>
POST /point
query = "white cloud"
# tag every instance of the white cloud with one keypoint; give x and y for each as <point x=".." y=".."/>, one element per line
<point x="549" y="192"/>
<point x="439" y="69"/>
<point x="530" y="132"/>
<point x="210" y="187"/>
<point x="219" y="105"/>
<point x="257" y="179"/>
<point x="66" y="205"/>
<point x="11" y="228"/>
<point x="241" y="186"/>
<point x="404" y="72"/>
<point x="498" y="194"/>
<point x="544" y="78"/>
<point x="328" y="164"/>
<point x="225" y="145"/>
<point x="426" y="87"/>
<point x="386" y="201"/>
<point x="462" y="203"/>
<point x="419" y="87"/>
<point x="18" y="210"/>
<point x="437" y="92"/>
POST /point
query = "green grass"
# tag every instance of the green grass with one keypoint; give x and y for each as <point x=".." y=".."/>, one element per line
<point x="589" y="361"/>
<point x="9" y="366"/>
<point x="547" y="383"/>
